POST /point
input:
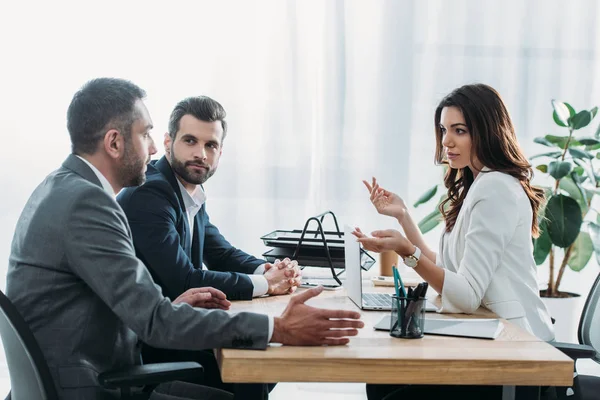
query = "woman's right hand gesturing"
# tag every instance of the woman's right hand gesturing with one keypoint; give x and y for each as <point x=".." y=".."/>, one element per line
<point x="386" y="203"/>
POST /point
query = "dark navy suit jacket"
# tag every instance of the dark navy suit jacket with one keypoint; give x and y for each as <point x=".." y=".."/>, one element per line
<point x="159" y="225"/>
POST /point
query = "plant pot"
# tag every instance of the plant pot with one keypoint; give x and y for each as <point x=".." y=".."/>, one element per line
<point x="566" y="311"/>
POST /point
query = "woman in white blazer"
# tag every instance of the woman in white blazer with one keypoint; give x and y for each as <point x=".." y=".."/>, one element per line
<point x="485" y="255"/>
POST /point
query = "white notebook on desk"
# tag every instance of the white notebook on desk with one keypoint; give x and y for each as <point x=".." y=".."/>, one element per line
<point x="464" y="327"/>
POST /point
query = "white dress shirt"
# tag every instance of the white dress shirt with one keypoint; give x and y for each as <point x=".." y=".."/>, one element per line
<point x="488" y="256"/>
<point x="193" y="203"/>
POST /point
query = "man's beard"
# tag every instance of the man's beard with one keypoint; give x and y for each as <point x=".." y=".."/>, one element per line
<point x="195" y="178"/>
<point x="132" y="173"/>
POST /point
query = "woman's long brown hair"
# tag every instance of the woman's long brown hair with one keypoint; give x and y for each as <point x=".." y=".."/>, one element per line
<point x="494" y="145"/>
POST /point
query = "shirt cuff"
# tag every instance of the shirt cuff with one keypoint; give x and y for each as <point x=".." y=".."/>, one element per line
<point x="260" y="270"/>
<point x="271" y="327"/>
<point x="261" y="286"/>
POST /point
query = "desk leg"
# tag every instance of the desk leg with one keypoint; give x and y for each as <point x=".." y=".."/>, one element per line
<point x="508" y="392"/>
<point x="528" y="392"/>
<point x="521" y="393"/>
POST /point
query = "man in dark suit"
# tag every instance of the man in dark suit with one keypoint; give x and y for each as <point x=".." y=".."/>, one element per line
<point x="74" y="277"/>
<point x="171" y="229"/>
<point x="174" y="237"/>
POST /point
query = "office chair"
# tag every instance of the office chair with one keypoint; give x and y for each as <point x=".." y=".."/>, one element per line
<point x="585" y="387"/>
<point x="30" y="377"/>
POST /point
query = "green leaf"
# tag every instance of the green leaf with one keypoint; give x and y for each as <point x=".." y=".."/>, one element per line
<point x="554" y="154"/>
<point x="425" y="197"/>
<point x="579" y="170"/>
<point x="597" y="134"/>
<point x="577" y="177"/>
<point x="563" y="220"/>
<point x="543" y="141"/>
<point x="593" y="147"/>
<point x="594" y="230"/>
<point x="575" y="191"/>
<point x="576" y="153"/>
<point x="579" y="180"/>
<point x="561" y="141"/>
<point x="581" y="120"/>
<point x="587" y="141"/>
<point x="582" y="252"/>
<point x="541" y="245"/>
<point x="562" y="113"/>
<point x="543" y="168"/>
<point x="559" y="169"/>
<point x="594" y="111"/>
<point x="430" y="221"/>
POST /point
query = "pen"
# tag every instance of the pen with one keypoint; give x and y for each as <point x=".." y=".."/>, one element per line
<point x="425" y="287"/>
<point x="402" y="291"/>
<point x="395" y="273"/>
<point x="410" y="309"/>
<point x="418" y="292"/>
<point x="399" y="313"/>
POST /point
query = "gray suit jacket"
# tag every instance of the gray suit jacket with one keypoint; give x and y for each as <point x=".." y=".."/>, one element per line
<point x="74" y="277"/>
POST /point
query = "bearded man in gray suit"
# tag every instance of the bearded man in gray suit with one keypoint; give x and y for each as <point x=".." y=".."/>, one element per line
<point x="74" y="276"/>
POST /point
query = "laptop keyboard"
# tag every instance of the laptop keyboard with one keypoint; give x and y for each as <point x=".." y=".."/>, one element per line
<point x="377" y="300"/>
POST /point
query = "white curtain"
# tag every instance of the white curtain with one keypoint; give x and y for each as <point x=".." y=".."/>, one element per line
<point x="320" y="94"/>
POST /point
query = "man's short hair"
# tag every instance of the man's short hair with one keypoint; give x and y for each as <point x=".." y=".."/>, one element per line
<point x="201" y="107"/>
<point x="100" y="105"/>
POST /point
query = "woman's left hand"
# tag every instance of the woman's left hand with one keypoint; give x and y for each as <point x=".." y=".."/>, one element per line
<point x="385" y="240"/>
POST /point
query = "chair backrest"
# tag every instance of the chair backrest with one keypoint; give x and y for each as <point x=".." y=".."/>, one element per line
<point x="30" y="377"/>
<point x="589" y="323"/>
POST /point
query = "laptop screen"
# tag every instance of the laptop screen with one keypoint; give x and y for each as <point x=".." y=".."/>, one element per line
<point x="352" y="265"/>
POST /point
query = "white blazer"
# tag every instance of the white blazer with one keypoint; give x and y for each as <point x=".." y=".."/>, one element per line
<point x="488" y="256"/>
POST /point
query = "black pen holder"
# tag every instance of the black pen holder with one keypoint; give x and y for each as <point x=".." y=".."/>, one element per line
<point x="408" y="317"/>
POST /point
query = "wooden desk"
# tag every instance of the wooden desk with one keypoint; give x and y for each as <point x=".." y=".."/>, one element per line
<point x="515" y="358"/>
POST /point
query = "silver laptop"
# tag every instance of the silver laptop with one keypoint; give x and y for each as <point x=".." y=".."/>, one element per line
<point x="366" y="301"/>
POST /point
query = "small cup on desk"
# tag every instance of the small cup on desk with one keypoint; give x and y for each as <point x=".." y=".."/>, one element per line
<point x="408" y="317"/>
<point x="387" y="260"/>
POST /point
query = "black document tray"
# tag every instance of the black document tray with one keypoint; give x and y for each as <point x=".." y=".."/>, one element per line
<point x="316" y="257"/>
<point x="316" y="248"/>
<point x="281" y="238"/>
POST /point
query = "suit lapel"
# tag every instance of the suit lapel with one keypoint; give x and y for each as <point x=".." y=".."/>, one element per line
<point x="198" y="233"/>
<point x="189" y="246"/>
<point x="165" y="168"/>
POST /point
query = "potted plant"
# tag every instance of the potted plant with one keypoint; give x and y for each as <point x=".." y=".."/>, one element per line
<point x="569" y="224"/>
<point x="565" y="230"/>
